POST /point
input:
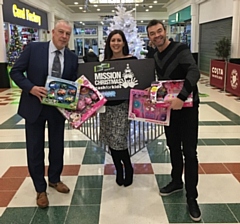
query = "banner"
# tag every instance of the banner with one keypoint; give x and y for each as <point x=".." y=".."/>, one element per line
<point x="115" y="78"/>
<point x="217" y="73"/>
<point x="233" y="79"/>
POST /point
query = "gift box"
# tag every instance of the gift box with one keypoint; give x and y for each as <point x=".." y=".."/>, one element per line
<point x="115" y="78"/>
<point x="90" y="100"/>
<point x="162" y="91"/>
<point x="61" y="93"/>
<point x="142" y="109"/>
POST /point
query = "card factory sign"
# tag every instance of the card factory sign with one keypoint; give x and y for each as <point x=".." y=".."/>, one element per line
<point x="23" y="13"/>
<point x="16" y="12"/>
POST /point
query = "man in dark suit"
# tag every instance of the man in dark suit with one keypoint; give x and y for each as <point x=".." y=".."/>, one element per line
<point x="37" y="61"/>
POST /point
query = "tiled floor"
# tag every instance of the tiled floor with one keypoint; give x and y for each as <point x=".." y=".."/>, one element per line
<point x="96" y="199"/>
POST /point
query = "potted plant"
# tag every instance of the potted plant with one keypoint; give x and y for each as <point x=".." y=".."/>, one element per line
<point x="219" y="67"/>
<point x="223" y="47"/>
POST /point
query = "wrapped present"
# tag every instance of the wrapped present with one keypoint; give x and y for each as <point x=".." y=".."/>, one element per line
<point x="162" y="91"/>
<point x="90" y="100"/>
<point x="142" y="109"/>
<point x="61" y="93"/>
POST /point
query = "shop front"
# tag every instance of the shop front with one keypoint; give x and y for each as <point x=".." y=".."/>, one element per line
<point x="180" y="26"/>
<point x="23" y="24"/>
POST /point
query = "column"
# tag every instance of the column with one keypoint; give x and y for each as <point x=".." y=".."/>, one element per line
<point x="3" y="57"/>
<point x="71" y="40"/>
<point x="51" y="23"/>
<point x="4" y="79"/>
<point x="100" y="37"/>
<point x="194" y="27"/>
<point x="235" y="48"/>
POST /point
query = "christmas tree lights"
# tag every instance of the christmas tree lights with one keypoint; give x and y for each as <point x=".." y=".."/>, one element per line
<point x="125" y="21"/>
<point x="15" y="47"/>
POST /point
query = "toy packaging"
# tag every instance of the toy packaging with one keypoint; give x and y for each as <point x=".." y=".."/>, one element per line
<point x="141" y="109"/>
<point x="161" y="91"/>
<point x="61" y="93"/>
<point x="90" y="101"/>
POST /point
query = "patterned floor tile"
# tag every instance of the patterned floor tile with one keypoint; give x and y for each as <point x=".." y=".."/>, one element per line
<point x="217" y="213"/>
<point x="58" y="215"/>
<point x="213" y="168"/>
<point x="18" y="215"/>
<point x="88" y="214"/>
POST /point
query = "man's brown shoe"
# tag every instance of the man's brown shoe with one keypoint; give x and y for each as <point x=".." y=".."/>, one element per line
<point x="60" y="187"/>
<point x="42" y="200"/>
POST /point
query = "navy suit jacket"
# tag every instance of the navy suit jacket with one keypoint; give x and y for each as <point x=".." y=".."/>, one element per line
<point x="34" y="61"/>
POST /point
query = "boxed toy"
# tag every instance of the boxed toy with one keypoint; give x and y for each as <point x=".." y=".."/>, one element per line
<point x="161" y="91"/>
<point x="61" y="93"/>
<point x="90" y="101"/>
<point x="141" y="109"/>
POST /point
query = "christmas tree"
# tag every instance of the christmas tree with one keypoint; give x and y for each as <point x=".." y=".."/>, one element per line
<point x="125" y="21"/>
<point x="15" y="47"/>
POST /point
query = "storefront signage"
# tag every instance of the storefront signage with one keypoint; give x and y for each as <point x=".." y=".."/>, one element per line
<point x="217" y="73"/>
<point x="18" y="13"/>
<point x="26" y="14"/>
<point x="233" y="79"/>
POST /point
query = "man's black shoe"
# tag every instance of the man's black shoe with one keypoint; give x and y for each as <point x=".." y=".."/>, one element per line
<point x="194" y="211"/>
<point x="170" y="188"/>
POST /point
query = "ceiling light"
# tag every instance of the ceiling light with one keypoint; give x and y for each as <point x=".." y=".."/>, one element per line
<point x="113" y="10"/>
<point x="150" y="6"/>
<point x="75" y="3"/>
<point x="141" y="21"/>
<point x="147" y="10"/>
<point x="80" y="7"/>
<point x="84" y="11"/>
<point x="155" y="2"/>
<point x="137" y="4"/>
<point x="113" y="1"/>
<point x="98" y="9"/>
<point x="95" y="5"/>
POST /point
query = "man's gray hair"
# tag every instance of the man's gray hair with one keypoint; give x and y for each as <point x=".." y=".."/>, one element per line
<point x="62" y="21"/>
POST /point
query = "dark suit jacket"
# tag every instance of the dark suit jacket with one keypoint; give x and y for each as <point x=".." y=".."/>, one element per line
<point x="34" y="60"/>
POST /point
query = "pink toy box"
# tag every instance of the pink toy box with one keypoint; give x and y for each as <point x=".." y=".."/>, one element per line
<point x="161" y="91"/>
<point x="141" y="109"/>
<point x="90" y="101"/>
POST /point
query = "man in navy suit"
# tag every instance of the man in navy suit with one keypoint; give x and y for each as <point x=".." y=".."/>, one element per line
<point x="37" y="61"/>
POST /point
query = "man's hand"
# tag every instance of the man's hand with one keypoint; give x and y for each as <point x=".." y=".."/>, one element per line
<point x="39" y="92"/>
<point x="175" y="103"/>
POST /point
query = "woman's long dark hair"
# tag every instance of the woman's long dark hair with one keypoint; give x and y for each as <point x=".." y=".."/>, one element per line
<point x="108" y="51"/>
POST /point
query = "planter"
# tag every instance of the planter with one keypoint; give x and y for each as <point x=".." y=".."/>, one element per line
<point x="233" y="79"/>
<point x="217" y="73"/>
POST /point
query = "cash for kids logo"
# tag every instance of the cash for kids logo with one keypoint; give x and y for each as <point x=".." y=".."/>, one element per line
<point x="234" y="79"/>
<point x="105" y="78"/>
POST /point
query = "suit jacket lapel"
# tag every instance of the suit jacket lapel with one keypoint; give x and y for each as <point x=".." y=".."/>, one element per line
<point x="45" y="52"/>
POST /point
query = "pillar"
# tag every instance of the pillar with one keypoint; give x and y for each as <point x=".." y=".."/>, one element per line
<point x="4" y="79"/>
<point x="235" y="49"/>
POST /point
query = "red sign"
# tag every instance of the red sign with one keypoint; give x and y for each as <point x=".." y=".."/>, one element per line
<point x="233" y="79"/>
<point x="217" y="73"/>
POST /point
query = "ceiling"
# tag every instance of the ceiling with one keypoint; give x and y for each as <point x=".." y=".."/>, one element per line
<point x="146" y="6"/>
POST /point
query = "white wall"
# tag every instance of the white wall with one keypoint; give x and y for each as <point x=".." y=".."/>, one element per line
<point x="176" y="6"/>
<point x="212" y="10"/>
